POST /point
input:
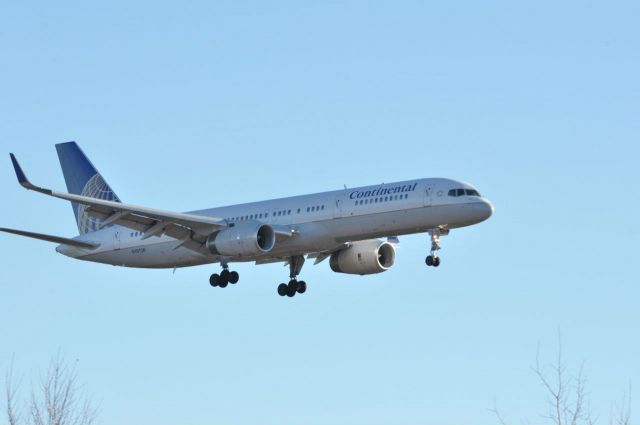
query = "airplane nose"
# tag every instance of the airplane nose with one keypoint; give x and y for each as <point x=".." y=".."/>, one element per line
<point x="492" y="209"/>
<point x="482" y="210"/>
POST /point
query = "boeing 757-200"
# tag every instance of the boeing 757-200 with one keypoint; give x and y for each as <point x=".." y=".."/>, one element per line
<point x="344" y="226"/>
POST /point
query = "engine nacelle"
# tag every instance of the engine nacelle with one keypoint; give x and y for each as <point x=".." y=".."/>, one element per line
<point x="242" y="240"/>
<point x="364" y="257"/>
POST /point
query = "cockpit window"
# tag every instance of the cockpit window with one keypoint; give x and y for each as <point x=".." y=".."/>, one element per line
<point x="462" y="192"/>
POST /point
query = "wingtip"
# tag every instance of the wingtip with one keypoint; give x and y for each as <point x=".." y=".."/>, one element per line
<point x="22" y="178"/>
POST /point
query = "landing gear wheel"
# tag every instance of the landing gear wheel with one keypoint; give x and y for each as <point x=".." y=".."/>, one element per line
<point x="292" y="288"/>
<point x="223" y="283"/>
<point x="302" y="287"/>
<point x="429" y="260"/>
<point x="214" y="280"/>
<point x="283" y="289"/>
<point x="234" y="277"/>
<point x="224" y="275"/>
<point x="436" y="262"/>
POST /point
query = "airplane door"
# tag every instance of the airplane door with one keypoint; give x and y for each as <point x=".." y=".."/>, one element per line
<point x="428" y="195"/>
<point x="337" y="211"/>
<point x="341" y="210"/>
<point x="116" y="240"/>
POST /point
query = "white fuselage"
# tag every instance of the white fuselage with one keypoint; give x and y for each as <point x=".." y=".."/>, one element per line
<point x="320" y="222"/>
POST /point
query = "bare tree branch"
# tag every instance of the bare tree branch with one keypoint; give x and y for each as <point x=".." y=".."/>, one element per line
<point x="567" y="397"/>
<point x="57" y="399"/>
<point x="13" y="415"/>
<point x="497" y="412"/>
<point x="621" y="414"/>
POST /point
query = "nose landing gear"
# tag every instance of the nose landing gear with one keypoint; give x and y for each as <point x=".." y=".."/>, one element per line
<point x="433" y="259"/>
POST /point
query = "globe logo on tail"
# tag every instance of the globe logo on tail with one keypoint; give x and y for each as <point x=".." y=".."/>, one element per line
<point x="95" y="187"/>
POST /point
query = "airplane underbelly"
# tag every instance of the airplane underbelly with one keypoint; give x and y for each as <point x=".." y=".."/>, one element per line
<point x="159" y="255"/>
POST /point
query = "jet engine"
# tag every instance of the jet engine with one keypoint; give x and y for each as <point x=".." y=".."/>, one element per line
<point x="242" y="240"/>
<point x="364" y="257"/>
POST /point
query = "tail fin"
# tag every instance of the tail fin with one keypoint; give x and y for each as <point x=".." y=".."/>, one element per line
<point x="82" y="178"/>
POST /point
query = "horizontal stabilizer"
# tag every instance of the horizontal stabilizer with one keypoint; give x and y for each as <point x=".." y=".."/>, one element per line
<point x="49" y="238"/>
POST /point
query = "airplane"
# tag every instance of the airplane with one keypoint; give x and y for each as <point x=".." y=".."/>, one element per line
<point x="344" y="226"/>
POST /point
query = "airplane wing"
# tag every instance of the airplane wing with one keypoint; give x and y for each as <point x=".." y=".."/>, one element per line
<point x="49" y="238"/>
<point x="318" y="256"/>
<point x="153" y="222"/>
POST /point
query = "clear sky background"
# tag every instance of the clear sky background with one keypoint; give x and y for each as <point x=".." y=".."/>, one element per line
<point x="200" y="104"/>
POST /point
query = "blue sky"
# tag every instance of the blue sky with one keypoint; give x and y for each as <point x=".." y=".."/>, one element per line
<point x="212" y="103"/>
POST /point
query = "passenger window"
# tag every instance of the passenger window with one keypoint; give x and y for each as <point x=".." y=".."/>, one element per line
<point x="323" y="207"/>
<point x="298" y="210"/>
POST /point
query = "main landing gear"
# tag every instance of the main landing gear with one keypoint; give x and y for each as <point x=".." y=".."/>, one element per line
<point x="433" y="259"/>
<point x="224" y="278"/>
<point x="294" y="286"/>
